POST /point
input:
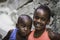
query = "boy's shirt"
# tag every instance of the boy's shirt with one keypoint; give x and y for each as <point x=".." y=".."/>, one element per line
<point x="13" y="34"/>
<point x="44" y="36"/>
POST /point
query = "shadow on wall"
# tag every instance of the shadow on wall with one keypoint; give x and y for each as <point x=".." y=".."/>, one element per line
<point x="2" y="33"/>
<point x="0" y="36"/>
<point x="3" y="1"/>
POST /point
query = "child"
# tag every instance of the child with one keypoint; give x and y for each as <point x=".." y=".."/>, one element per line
<point x="41" y="18"/>
<point x="23" y="28"/>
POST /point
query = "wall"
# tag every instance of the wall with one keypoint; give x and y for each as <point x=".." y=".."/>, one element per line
<point x="11" y="9"/>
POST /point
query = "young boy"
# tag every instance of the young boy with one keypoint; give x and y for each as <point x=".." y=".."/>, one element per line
<point x="23" y="28"/>
<point x="41" y="18"/>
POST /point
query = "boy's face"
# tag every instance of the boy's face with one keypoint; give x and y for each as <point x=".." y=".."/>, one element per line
<point x="24" y="27"/>
<point x="40" y="19"/>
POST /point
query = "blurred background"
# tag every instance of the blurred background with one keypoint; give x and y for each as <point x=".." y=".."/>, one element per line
<point x="11" y="9"/>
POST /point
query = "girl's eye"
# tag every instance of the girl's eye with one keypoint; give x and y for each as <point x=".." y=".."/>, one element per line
<point x="43" y="19"/>
<point x="36" y="17"/>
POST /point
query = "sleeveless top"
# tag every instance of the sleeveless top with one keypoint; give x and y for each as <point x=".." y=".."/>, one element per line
<point x="44" y="36"/>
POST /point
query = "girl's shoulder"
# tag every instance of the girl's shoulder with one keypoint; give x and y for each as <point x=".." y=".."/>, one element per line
<point x="53" y="35"/>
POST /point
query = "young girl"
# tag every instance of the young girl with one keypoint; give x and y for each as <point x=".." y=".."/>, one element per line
<point x="23" y="28"/>
<point x="41" y="18"/>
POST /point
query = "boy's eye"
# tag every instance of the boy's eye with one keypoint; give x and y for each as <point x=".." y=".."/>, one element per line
<point x="22" y="25"/>
<point x="29" y="27"/>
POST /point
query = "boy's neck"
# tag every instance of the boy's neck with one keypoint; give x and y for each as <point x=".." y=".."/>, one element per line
<point x="21" y="37"/>
<point x="38" y="33"/>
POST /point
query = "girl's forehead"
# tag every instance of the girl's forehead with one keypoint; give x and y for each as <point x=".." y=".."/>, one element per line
<point x="41" y="12"/>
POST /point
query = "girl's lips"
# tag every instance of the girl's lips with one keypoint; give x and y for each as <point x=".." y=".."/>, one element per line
<point x="37" y="26"/>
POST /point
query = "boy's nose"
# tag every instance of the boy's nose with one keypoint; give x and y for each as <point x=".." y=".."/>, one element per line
<point x="25" y="28"/>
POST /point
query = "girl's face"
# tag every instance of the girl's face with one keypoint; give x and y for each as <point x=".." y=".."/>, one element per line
<point x="24" y="27"/>
<point x="40" y="19"/>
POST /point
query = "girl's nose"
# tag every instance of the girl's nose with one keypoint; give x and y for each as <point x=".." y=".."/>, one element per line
<point x="38" y="20"/>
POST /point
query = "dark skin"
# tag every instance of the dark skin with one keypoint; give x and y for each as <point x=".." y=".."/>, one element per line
<point x="40" y="21"/>
<point x="23" y="25"/>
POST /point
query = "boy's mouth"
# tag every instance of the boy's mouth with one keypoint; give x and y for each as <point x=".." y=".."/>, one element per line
<point x="24" y="34"/>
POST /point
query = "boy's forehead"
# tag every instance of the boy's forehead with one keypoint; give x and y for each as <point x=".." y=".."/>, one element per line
<point x="25" y="19"/>
<point x="23" y="16"/>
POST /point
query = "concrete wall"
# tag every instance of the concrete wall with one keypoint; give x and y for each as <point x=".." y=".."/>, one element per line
<point x="11" y="9"/>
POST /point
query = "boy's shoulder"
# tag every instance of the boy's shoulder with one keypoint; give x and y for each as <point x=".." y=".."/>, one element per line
<point x="8" y="35"/>
<point x="10" y="31"/>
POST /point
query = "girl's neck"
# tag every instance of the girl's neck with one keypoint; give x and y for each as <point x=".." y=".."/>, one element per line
<point x="38" y="33"/>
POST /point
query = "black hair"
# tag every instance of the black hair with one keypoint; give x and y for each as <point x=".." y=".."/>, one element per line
<point x="45" y="8"/>
<point x="23" y="15"/>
